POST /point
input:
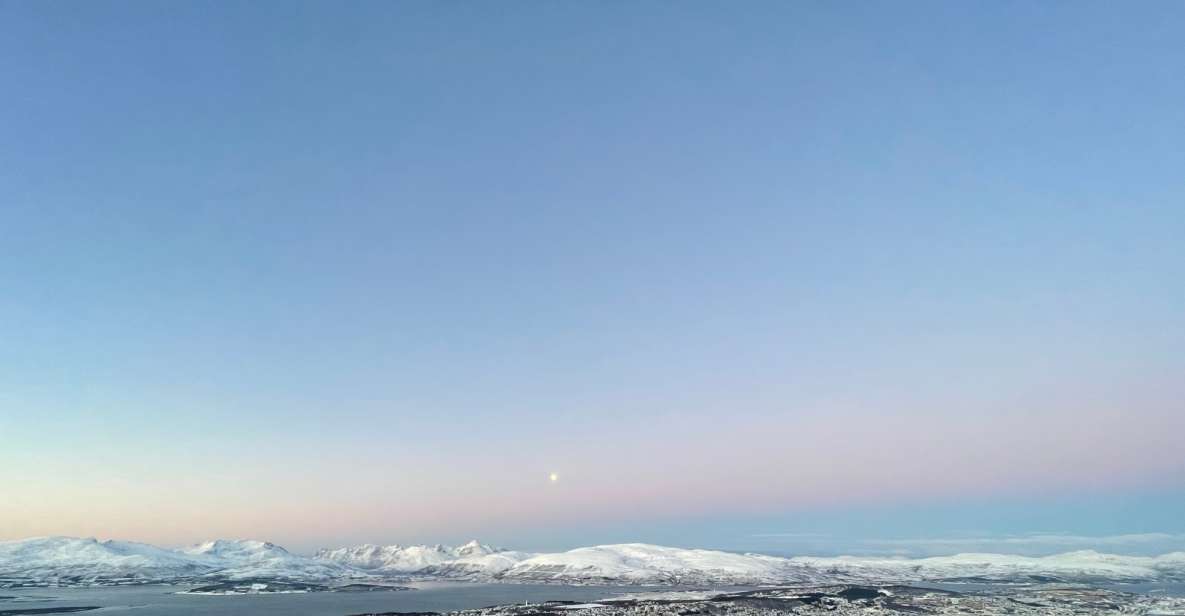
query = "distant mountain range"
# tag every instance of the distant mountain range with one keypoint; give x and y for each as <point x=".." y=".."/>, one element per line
<point x="69" y="561"/>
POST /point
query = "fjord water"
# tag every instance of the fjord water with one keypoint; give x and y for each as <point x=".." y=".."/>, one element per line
<point x="1168" y="589"/>
<point x="427" y="597"/>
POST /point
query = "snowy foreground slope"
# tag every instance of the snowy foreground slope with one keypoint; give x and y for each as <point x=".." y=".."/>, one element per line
<point x="72" y="561"/>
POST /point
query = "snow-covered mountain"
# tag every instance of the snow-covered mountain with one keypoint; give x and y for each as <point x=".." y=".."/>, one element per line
<point x="485" y="566"/>
<point x="245" y="559"/>
<point x="408" y="559"/>
<point x="1086" y="565"/>
<point x="648" y="564"/>
<point x="639" y="563"/>
<point x="71" y="561"/>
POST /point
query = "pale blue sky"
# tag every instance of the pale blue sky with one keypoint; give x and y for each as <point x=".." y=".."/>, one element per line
<point x="409" y="258"/>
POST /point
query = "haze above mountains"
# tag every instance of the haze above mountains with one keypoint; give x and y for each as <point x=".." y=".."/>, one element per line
<point x="52" y="561"/>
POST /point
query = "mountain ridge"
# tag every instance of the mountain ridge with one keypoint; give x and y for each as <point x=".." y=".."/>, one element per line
<point x="84" y="561"/>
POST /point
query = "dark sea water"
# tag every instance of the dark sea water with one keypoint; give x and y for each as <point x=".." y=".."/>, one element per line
<point x="427" y="597"/>
<point x="1168" y="589"/>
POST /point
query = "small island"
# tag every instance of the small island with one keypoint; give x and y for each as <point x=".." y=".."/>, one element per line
<point x="267" y="586"/>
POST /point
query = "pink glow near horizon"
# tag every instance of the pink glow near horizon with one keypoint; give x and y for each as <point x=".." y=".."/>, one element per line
<point x="697" y="468"/>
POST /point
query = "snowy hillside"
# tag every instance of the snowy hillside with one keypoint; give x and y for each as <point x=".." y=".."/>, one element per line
<point x="1082" y="565"/>
<point x="651" y="564"/>
<point x="640" y="563"/>
<point x="245" y="559"/>
<point x="637" y="563"/>
<point x="412" y="558"/>
<point x="485" y="566"/>
<point x="71" y="561"/>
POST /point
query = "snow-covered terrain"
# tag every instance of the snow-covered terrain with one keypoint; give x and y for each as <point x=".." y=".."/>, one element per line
<point x="68" y="559"/>
<point x="1086" y="565"/>
<point x="857" y="600"/>
<point x="639" y="563"/>
<point x="64" y="560"/>
<point x="415" y="558"/>
<point x="74" y="561"/>
<point x="245" y="559"/>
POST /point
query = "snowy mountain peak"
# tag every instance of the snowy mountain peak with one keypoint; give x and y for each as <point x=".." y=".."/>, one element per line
<point x="474" y="548"/>
<point x="238" y="548"/>
<point x="407" y="559"/>
<point x="70" y="560"/>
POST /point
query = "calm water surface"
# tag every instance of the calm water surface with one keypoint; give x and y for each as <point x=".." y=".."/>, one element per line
<point x="427" y="597"/>
<point x="1171" y="589"/>
<point x="1168" y="589"/>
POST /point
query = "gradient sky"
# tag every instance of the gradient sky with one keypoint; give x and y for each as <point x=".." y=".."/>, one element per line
<point x="788" y="276"/>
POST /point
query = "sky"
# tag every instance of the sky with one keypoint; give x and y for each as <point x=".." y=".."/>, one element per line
<point x="793" y="277"/>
